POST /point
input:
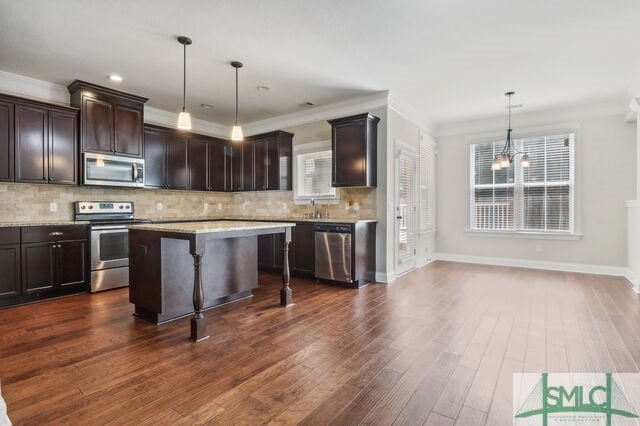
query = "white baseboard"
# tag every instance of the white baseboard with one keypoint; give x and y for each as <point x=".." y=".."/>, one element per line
<point x="424" y="261"/>
<point x="633" y="279"/>
<point x="617" y="271"/>
<point x="383" y="277"/>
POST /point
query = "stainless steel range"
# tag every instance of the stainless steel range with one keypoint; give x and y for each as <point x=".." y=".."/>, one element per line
<point x="109" y="241"/>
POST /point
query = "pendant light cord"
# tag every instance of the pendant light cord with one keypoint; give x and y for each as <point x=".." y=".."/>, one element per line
<point x="184" y="78"/>
<point x="236" y="96"/>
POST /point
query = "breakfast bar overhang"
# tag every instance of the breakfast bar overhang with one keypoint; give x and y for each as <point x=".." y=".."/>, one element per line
<point x="208" y="262"/>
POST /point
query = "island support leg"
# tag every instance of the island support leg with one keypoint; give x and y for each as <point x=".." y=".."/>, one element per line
<point x="286" y="297"/>
<point x="198" y="322"/>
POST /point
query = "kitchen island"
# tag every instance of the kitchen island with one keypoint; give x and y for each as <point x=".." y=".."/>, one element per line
<point x="177" y="269"/>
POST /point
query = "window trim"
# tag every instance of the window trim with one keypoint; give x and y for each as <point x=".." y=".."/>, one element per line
<point x="309" y="148"/>
<point x="524" y="133"/>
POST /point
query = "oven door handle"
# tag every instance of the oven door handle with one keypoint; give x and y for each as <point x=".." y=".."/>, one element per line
<point x="135" y="172"/>
<point x="103" y="229"/>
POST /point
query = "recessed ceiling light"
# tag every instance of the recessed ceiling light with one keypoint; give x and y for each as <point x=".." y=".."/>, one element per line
<point x="207" y="106"/>
<point x="262" y="88"/>
<point x="115" y="77"/>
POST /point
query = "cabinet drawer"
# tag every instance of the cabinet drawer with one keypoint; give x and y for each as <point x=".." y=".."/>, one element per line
<point x="9" y="236"/>
<point x="36" y="234"/>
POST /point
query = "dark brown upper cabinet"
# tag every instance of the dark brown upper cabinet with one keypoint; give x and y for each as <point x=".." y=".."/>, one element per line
<point x="110" y="121"/>
<point x="45" y="143"/>
<point x="166" y="158"/>
<point x="198" y="148"/>
<point x="241" y="166"/>
<point x="272" y="160"/>
<point x="353" y="147"/>
<point x="219" y="165"/>
<point x="6" y="141"/>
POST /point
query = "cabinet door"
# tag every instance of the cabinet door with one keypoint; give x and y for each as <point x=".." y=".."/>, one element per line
<point x="198" y="164"/>
<point x="272" y="164"/>
<point x="31" y="144"/>
<point x="349" y="154"/>
<point x="177" y="171"/>
<point x="97" y="125"/>
<point x="260" y="164"/>
<point x="219" y="166"/>
<point x="71" y="263"/>
<point x="6" y="141"/>
<point x="154" y="164"/>
<point x="38" y="267"/>
<point x="247" y="167"/>
<point x="10" y="267"/>
<point x="235" y="151"/>
<point x="128" y="131"/>
<point x="284" y="163"/>
<point x="303" y="248"/>
<point x="63" y="142"/>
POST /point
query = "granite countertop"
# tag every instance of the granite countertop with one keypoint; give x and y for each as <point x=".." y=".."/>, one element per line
<point x="43" y="223"/>
<point x="209" y="227"/>
<point x="263" y="218"/>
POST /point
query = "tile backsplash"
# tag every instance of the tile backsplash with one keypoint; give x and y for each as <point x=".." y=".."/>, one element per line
<point x="32" y="202"/>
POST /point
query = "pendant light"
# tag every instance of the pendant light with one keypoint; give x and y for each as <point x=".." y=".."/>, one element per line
<point x="184" y="119"/>
<point x="508" y="153"/>
<point x="236" y="131"/>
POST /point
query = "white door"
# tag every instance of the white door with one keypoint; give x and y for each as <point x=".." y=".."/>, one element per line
<point x="406" y="223"/>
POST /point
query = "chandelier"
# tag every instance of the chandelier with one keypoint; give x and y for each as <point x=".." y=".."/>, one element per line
<point x="508" y="153"/>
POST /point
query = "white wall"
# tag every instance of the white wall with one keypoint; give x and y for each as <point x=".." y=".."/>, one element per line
<point x="605" y="175"/>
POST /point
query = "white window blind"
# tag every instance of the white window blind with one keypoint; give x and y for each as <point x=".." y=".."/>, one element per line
<point x="539" y="198"/>
<point x="314" y="175"/>
<point x="427" y="185"/>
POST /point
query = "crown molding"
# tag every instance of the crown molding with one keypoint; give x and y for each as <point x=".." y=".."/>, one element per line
<point x="20" y="85"/>
<point x="170" y="119"/>
<point x="411" y="114"/>
<point x="534" y="118"/>
<point x="319" y="113"/>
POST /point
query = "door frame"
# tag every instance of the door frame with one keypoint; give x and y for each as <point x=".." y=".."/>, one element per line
<point x="411" y="151"/>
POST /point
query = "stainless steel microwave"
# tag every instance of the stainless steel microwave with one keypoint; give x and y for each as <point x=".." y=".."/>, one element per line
<point x="112" y="170"/>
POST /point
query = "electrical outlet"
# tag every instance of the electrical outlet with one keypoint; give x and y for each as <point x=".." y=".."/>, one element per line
<point x="53" y="207"/>
<point x="159" y="206"/>
<point x="346" y="206"/>
<point x="219" y="206"/>
<point x="538" y="248"/>
<point x="206" y="206"/>
<point x="284" y="206"/>
<point x="356" y="206"/>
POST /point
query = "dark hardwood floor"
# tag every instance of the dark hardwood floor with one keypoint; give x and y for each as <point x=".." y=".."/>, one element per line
<point x="438" y="346"/>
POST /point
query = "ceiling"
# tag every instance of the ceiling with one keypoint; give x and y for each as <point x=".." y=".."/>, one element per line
<point x="447" y="60"/>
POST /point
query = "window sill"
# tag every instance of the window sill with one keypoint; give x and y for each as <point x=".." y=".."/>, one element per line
<point x="523" y="235"/>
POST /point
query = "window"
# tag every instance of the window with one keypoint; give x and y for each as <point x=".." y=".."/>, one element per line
<point x="539" y="198"/>
<point x="427" y="184"/>
<point x="313" y="175"/>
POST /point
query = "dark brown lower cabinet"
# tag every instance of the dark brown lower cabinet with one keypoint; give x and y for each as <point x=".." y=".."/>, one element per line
<point x="301" y="250"/>
<point x="9" y="262"/>
<point x="38" y="263"/>
<point x="270" y="251"/>
<point x="47" y="266"/>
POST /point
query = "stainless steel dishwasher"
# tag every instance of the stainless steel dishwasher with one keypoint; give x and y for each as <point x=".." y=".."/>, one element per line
<point x="333" y="252"/>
